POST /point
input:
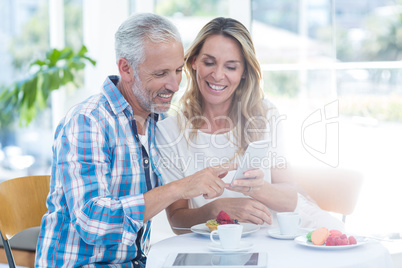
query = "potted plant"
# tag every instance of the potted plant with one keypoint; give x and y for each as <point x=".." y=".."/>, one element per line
<point x="25" y="98"/>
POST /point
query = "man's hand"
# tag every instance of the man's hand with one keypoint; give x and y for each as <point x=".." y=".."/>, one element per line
<point x="207" y="182"/>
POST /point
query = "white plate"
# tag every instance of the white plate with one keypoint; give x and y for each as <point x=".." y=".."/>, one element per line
<point x="244" y="246"/>
<point x="276" y="233"/>
<point x="248" y="228"/>
<point x="302" y="240"/>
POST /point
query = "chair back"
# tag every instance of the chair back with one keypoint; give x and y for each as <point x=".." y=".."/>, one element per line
<point x="22" y="203"/>
<point x="335" y="190"/>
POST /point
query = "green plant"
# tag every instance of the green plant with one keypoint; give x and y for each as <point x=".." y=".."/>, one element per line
<point x="26" y="97"/>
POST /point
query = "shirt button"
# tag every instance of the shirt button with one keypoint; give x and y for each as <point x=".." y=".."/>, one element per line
<point x="136" y="262"/>
<point x="146" y="161"/>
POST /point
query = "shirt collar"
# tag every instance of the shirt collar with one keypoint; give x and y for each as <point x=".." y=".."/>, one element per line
<point x="117" y="102"/>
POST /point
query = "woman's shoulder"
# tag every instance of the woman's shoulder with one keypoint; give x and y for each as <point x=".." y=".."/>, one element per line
<point x="169" y="119"/>
<point x="170" y="123"/>
<point x="168" y="128"/>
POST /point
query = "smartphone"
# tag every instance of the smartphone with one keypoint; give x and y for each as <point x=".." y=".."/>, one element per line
<point x="254" y="157"/>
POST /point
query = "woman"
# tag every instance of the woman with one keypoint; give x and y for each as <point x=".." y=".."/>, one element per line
<point x="222" y="111"/>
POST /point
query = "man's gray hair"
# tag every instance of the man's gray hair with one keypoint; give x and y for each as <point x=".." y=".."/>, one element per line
<point x="138" y="29"/>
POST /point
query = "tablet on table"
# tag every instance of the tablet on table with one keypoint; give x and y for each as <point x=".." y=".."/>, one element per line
<point x="215" y="259"/>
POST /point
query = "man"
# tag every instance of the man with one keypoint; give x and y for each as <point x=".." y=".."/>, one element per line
<point x="104" y="180"/>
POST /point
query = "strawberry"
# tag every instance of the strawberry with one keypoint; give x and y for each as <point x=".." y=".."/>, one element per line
<point x="352" y="240"/>
<point x="343" y="236"/>
<point x="341" y="241"/>
<point x="335" y="233"/>
<point x="330" y="241"/>
<point x="223" y="218"/>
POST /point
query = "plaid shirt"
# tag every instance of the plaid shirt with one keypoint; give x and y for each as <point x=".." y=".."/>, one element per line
<point x="96" y="203"/>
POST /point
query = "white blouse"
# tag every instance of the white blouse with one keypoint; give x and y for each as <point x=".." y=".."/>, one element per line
<point x="181" y="157"/>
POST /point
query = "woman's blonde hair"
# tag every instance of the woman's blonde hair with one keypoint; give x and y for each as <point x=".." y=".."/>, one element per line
<point x="247" y="110"/>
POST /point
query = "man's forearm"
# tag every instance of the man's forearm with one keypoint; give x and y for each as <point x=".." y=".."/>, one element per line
<point x="159" y="198"/>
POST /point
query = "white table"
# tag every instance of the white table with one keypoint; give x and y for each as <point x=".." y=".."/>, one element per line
<point x="281" y="253"/>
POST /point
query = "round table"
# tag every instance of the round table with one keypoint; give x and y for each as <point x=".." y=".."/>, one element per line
<point x="281" y="253"/>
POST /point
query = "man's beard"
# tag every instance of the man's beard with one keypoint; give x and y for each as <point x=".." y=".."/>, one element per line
<point x="146" y="101"/>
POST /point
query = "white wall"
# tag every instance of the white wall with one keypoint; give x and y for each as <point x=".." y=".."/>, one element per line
<point x="101" y="18"/>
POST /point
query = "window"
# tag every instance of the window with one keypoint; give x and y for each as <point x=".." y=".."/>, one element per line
<point x="333" y="67"/>
<point x="343" y="57"/>
<point x="25" y="32"/>
<point x="26" y="150"/>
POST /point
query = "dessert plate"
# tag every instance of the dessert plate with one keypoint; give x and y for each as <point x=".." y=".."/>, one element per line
<point x="244" y="246"/>
<point x="276" y="233"/>
<point x="302" y="240"/>
<point x="248" y="228"/>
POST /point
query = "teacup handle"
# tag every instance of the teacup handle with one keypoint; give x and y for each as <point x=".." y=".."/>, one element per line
<point x="211" y="236"/>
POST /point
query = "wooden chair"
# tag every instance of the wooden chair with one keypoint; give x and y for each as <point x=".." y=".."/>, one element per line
<point x="334" y="190"/>
<point x="22" y="205"/>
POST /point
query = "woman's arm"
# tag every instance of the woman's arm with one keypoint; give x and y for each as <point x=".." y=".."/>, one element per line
<point x="243" y="209"/>
<point x="280" y="195"/>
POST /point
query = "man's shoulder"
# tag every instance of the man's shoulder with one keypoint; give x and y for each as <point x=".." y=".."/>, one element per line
<point x="89" y="105"/>
<point x="94" y="106"/>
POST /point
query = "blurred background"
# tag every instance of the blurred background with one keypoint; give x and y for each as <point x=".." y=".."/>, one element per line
<point x="332" y="67"/>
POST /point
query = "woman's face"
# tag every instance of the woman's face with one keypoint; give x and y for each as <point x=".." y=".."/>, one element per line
<point x="219" y="69"/>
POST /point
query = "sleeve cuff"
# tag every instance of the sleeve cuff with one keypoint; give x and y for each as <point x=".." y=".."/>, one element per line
<point x="134" y="208"/>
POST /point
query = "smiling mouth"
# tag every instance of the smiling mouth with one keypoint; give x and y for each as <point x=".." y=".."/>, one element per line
<point x="165" y="95"/>
<point x="215" y="87"/>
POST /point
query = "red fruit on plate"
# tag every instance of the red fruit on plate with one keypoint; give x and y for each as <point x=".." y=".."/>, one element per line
<point x="335" y="233"/>
<point x="223" y="217"/>
<point x="330" y="241"/>
<point x="352" y="240"/>
<point x="342" y="241"/>
<point x="337" y="241"/>
<point x="343" y="236"/>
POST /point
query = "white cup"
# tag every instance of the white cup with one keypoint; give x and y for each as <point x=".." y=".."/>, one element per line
<point x="288" y="222"/>
<point x="229" y="235"/>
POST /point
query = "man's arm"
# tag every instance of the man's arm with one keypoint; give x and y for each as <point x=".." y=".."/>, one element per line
<point x="86" y="176"/>
<point x="207" y="182"/>
<point x="84" y="170"/>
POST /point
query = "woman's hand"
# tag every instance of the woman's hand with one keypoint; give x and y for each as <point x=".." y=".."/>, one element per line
<point x="207" y="182"/>
<point x="248" y="186"/>
<point x="243" y="209"/>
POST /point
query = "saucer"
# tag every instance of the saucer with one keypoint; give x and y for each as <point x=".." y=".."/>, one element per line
<point x="276" y="233"/>
<point x="248" y="228"/>
<point x="244" y="246"/>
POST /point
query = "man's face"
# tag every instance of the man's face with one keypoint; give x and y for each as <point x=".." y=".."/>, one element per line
<point x="159" y="76"/>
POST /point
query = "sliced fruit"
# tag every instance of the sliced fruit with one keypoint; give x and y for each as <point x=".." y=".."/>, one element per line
<point x="319" y="236"/>
<point x="212" y="225"/>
